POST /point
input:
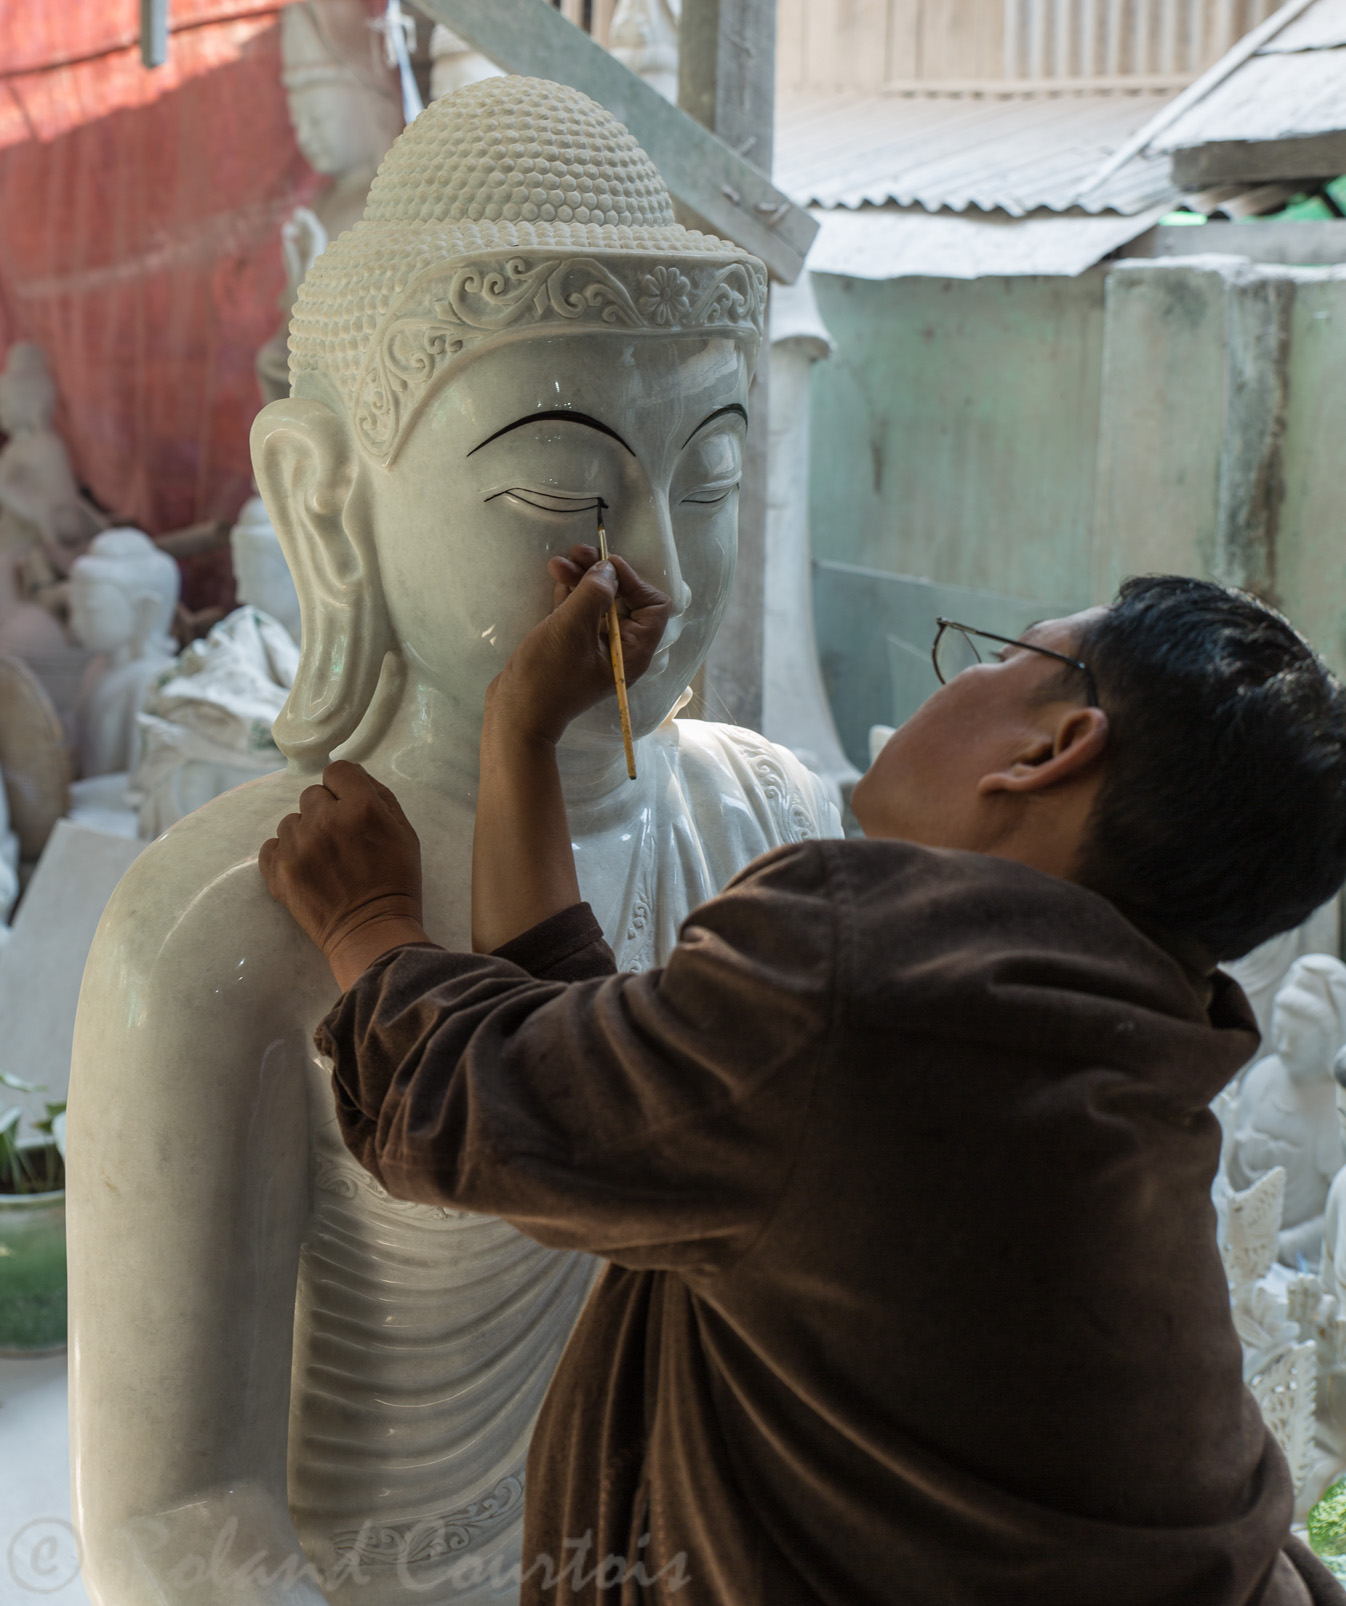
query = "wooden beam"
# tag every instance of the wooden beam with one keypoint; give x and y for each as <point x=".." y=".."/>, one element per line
<point x="1236" y="161"/>
<point x="710" y="179"/>
<point x="727" y="81"/>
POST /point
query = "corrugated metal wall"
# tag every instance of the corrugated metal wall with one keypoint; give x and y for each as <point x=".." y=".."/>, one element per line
<point x="952" y="45"/>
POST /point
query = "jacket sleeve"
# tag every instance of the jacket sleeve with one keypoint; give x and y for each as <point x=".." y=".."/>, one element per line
<point x="648" y="1118"/>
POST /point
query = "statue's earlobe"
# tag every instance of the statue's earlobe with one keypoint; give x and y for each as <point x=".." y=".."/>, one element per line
<point x="308" y="476"/>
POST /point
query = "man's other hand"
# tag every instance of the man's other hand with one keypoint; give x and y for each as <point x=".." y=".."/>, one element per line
<point x="348" y="868"/>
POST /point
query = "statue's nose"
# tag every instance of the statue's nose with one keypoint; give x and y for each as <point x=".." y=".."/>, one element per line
<point x="650" y="546"/>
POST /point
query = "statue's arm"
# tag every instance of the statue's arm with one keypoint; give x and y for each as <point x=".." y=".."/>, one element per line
<point x="187" y="1140"/>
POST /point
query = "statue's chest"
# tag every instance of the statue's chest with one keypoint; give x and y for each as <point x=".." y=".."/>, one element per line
<point x="424" y="1341"/>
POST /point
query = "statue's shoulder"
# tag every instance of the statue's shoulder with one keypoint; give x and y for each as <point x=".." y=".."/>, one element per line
<point x="198" y="887"/>
<point x="789" y="801"/>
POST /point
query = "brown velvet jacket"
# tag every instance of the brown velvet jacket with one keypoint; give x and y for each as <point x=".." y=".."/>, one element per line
<point x="901" y="1167"/>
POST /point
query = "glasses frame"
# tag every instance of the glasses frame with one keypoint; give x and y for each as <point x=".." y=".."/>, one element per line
<point x="1008" y="641"/>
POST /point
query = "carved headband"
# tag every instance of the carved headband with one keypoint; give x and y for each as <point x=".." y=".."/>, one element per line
<point x="445" y="315"/>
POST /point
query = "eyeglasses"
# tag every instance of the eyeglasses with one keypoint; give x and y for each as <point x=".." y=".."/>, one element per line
<point x="955" y="650"/>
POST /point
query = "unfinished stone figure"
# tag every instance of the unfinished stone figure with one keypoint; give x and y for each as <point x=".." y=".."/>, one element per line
<point x="262" y="578"/>
<point x="346" y="108"/>
<point x="454" y="64"/>
<point x="122" y="595"/>
<point x="1284" y="1112"/>
<point x="207" y="726"/>
<point x="644" y="37"/>
<point x="40" y="501"/>
<point x="264" y="1344"/>
<point x="42" y="515"/>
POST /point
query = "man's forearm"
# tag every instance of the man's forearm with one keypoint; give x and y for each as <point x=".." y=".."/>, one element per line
<point x="523" y="867"/>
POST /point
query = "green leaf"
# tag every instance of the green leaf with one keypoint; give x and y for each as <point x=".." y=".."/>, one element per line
<point x="58" y="1133"/>
<point x="19" y="1087"/>
<point x="53" y="1110"/>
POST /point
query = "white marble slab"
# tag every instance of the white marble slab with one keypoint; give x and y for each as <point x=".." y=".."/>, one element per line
<point x="42" y="964"/>
<point x="39" y="1558"/>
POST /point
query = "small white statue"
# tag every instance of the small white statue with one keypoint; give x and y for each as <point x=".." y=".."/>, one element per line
<point x="454" y="64"/>
<point x="1271" y="1313"/>
<point x="1261" y="972"/>
<point x="1283" y="1113"/>
<point x="43" y="518"/>
<point x="262" y="578"/>
<point x="644" y="37"/>
<point x="122" y="595"/>
<point x="40" y="501"/>
<point x="206" y="727"/>
<point x="346" y="108"/>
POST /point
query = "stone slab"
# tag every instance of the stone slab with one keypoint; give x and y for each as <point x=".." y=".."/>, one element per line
<point x="42" y="964"/>
<point x="39" y="1559"/>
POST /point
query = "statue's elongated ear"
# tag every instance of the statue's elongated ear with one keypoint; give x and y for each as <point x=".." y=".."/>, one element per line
<point x="309" y="479"/>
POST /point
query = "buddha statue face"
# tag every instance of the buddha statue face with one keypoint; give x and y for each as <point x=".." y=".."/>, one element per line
<point x="335" y="125"/>
<point x="506" y="468"/>
<point x="342" y="102"/>
<point x="516" y="332"/>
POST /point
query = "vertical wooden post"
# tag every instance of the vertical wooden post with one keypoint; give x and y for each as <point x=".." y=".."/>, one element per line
<point x="153" y="32"/>
<point x="727" y="81"/>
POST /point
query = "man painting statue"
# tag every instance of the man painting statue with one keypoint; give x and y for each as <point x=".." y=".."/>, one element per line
<point x="286" y="1384"/>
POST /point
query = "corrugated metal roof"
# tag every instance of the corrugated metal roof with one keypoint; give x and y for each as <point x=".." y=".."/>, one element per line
<point x="1321" y="27"/>
<point x="1284" y="80"/>
<point x="893" y="243"/>
<point x="1278" y="94"/>
<point x="1014" y="155"/>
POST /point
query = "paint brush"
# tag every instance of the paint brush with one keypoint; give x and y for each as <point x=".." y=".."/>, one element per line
<point x="618" y="664"/>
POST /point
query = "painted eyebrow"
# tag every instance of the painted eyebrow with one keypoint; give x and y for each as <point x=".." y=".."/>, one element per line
<point x="565" y="416"/>
<point x="719" y="412"/>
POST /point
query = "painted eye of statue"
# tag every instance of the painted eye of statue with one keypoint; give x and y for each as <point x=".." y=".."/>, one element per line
<point x="562" y="502"/>
<point x="711" y="495"/>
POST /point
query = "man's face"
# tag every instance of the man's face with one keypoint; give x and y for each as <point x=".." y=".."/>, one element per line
<point x="925" y="786"/>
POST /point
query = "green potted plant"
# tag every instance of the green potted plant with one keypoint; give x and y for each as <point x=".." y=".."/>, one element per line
<point x="32" y="1230"/>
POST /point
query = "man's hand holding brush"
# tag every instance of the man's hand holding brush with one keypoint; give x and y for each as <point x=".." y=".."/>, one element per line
<point x="347" y="866"/>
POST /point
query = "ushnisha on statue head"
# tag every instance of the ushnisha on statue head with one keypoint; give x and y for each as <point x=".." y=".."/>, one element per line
<point x="517" y="327"/>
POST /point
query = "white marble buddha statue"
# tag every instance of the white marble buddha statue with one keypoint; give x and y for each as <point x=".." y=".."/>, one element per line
<point x="123" y="592"/>
<point x="346" y="110"/>
<point x="1284" y="1112"/>
<point x="264" y="1345"/>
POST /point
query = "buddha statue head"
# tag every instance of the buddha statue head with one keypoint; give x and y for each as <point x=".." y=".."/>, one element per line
<point x="27" y="390"/>
<point x="516" y="331"/>
<point x="344" y="104"/>
<point x="1308" y="1017"/>
<point x="122" y="595"/>
<point x="262" y="577"/>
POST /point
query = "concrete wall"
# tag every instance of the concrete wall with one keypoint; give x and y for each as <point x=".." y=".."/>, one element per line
<point x="955" y="434"/>
<point x="1042" y="438"/>
<point x="955" y="429"/>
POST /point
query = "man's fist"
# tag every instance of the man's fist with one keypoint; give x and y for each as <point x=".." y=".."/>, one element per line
<point x="562" y="667"/>
<point x="348" y="868"/>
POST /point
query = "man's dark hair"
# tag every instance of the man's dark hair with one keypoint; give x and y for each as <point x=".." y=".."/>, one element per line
<point x="1222" y="813"/>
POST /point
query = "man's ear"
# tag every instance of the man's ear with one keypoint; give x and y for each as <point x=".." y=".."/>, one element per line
<point x="309" y="479"/>
<point x="1067" y="747"/>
